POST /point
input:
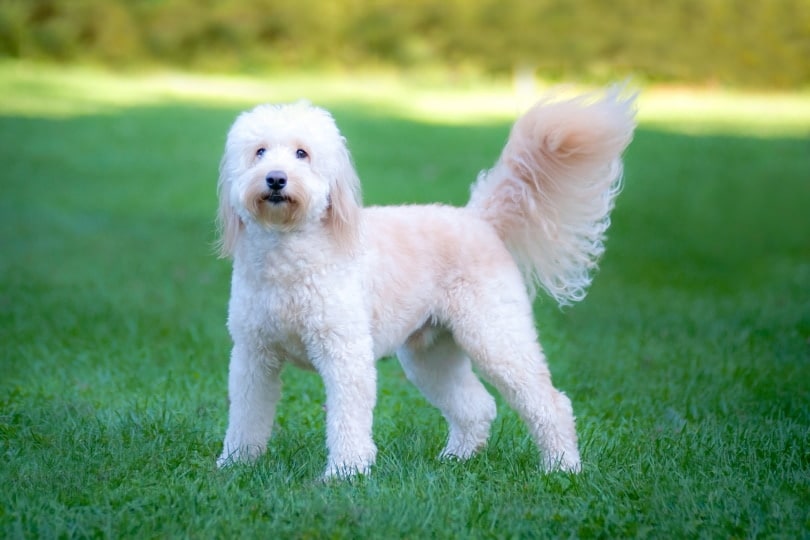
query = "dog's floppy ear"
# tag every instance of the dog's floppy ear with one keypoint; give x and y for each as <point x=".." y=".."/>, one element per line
<point x="344" y="198"/>
<point x="229" y="226"/>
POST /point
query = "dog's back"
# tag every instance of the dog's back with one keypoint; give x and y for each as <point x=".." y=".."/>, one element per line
<point x="415" y="255"/>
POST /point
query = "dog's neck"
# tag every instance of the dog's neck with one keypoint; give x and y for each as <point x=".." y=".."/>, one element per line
<point x="276" y="255"/>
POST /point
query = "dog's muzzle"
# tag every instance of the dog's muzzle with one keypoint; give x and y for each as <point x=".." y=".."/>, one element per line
<point x="276" y="180"/>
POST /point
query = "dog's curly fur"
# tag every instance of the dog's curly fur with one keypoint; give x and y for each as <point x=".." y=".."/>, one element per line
<point x="323" y="283"/>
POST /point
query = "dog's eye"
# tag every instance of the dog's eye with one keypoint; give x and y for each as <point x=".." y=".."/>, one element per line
<point x="301" y="154"/>
<point x="260" y="152"/>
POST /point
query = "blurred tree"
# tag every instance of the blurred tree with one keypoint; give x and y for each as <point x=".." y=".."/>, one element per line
<point x="734" y="42"/>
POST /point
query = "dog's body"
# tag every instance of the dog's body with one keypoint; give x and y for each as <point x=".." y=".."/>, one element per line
<point x="322" y="283"/>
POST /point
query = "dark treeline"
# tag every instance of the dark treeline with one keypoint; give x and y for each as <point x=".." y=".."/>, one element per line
<point x="751" y="43"/>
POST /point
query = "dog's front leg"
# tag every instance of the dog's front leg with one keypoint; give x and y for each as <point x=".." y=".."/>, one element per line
<point x="254" y="388"/>
<point x="350" y="380"/>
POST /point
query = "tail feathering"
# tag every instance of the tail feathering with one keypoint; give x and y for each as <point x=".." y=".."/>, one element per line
<point x="550" y="194"/>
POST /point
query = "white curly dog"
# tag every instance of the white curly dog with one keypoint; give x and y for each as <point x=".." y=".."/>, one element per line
<point x="323" y="283"/>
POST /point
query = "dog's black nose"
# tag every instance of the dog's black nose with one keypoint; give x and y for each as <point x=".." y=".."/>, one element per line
<point x="276" y="180"/>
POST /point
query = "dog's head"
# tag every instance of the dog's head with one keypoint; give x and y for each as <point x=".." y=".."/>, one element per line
<point x="286" y="167"/>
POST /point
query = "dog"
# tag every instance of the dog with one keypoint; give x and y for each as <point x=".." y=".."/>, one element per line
<point x="323" y="283"/>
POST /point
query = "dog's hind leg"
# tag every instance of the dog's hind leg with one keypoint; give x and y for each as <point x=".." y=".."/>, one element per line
<point x="442" y="371"/>
<point x="501" y="340"/>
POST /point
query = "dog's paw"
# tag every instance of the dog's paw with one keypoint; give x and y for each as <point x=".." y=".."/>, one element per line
<point x="347" y="469"/>
<point x="457" y="453"/>
<point x="224" y="461"/>
<point x="569" y="463"/>
<point x="238" y="454"/>
<point x="338" y="472"/>
<point x="463" y="446"/>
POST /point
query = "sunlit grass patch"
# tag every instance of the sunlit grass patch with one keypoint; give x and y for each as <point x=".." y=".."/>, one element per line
<point x="711" y="111"/>
<point x="39" y="90"/>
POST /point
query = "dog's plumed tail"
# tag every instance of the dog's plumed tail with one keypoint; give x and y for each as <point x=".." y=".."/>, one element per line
<point x="550" y="194"/>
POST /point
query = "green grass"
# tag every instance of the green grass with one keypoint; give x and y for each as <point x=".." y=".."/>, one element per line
<point x="688" y="364"/>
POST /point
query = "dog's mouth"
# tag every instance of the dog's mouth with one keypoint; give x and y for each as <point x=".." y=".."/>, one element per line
<point x="276" y="197"/>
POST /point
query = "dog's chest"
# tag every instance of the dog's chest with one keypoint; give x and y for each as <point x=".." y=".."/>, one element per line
<point x="277" y="321"/>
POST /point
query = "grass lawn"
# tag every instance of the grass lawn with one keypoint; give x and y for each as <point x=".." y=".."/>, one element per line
<point x="688" y="364"/>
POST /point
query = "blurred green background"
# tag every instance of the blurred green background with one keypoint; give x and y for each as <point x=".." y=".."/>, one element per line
<point x="763" y="44"/>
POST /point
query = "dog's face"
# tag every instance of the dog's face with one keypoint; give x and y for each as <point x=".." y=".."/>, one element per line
<point x="286" y="166"/>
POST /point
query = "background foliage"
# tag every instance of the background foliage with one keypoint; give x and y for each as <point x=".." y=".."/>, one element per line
<point x="731" y="42"/>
